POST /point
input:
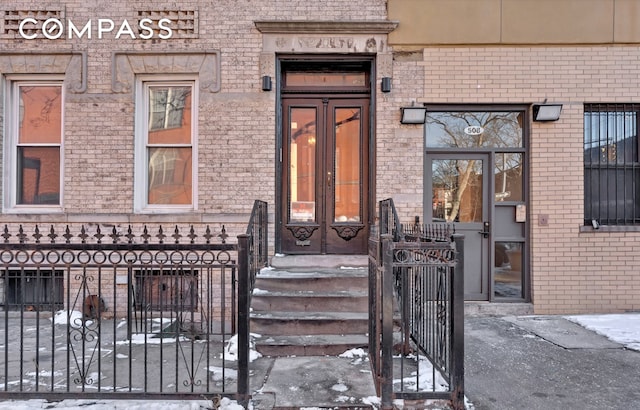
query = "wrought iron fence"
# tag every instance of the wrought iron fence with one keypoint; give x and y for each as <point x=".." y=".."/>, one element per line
<point x="417" y="311"/>
<point x="120" y="314"/>
<point x="252" y="256"/>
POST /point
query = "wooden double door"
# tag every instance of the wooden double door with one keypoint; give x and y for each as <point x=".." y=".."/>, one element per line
<point x="325" y="174"/>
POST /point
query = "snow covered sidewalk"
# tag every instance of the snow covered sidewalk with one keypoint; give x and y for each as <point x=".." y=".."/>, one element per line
<point x="619" y="328"/>
<point x="333" y="381"/>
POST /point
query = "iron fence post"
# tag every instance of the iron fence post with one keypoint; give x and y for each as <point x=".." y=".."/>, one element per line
<point x="387" y="323"/>
<point x="457" y="325"/>
<point x="243" y="319"/>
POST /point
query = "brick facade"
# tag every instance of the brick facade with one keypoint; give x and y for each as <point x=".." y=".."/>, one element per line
<point x="573" y="270"/>
<point x="236" y="128"/>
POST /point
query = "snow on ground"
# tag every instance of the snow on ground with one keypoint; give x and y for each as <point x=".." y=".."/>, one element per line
<point x="620" y="328"/>
<point x="231" y="348"/>
<point x="74" y="318"/>
<point x="117" y="405"/>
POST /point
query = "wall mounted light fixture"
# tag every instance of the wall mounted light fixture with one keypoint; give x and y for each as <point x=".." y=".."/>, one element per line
<point x="266" y="83"/>
<point x="413" y="115"/>
<point x="385" y="84"/>
<point x="546" y="112"/>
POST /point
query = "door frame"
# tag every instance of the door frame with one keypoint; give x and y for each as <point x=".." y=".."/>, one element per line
<point x="490" y="152"/>
<point x="337" y="63"/>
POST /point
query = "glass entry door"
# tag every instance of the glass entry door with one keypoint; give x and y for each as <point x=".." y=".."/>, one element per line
<point x="459" y="189"/>
<point x="475" y="173"/>
<point x="325" y="180"/>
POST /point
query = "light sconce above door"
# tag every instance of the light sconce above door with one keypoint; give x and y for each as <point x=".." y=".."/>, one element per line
<point x="385" y="84"/>
<point x="413" y="115"/>
<point x="546" y="112"/>
<point x="266" y="83"/>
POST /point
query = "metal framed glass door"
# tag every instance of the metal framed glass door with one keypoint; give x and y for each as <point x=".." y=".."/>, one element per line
<point x="459" y="189"/>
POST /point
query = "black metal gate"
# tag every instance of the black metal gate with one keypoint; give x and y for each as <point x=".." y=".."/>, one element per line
<point x="416" y="334"/>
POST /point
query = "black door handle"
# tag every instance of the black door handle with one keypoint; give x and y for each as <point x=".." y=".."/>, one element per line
<point x="485" y="229"/>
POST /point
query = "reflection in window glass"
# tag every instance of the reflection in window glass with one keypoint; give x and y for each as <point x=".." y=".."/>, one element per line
<point x="347" y="171"/>
<point x="170" y="176"/>
<point x="508" y="273"/>
<point x="457" y="190"/>
<point x="474" y="129"/>
<point x="302" y="160"/>
<point x="508" y="177"/>
<point x="39" y="143"/>
<point x="166" y="107"/>
<point x="169" y="145"/>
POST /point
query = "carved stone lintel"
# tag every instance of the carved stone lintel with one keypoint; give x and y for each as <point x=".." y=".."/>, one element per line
<point x="302" y="232"/>
<point x="326" y="26"/>
<point x="313" y="36"/>
<point x="71" y="64"/>
<point x="205" y="63"/>
<point x="347" y="232"/>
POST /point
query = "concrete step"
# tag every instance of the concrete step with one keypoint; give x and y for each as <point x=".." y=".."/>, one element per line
<point x="309" y="301"/>
<point x="310" y="345"/>
<point x="325" y="280"/>
<point x="311" y="305"/>
<point x="308" y="323"/>
<point x="318" y="261"/>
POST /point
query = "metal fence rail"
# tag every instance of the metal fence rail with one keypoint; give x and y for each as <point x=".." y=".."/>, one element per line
<point x="123" y="315"/>
<point x="417" y="312"/>
<point x="252" y="257"/>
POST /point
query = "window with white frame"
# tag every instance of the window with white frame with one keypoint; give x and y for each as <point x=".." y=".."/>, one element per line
<point x="165" y="172"/>
<point x="611" y="164"/>
<point x="33" y="146"/>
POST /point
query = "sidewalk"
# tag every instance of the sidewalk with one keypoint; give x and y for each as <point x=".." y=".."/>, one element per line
<point x="511" y="362"/>
<point x="549" y="362"/>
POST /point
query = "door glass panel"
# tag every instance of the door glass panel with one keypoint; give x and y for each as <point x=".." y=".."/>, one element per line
<point x="474" y="129"/>
<point x="508" y="177"/>
<point x="302" y="165"/>
<point x="457" y="190"/>
<point x="347" y="165"/>
<point x="508" y="269"/>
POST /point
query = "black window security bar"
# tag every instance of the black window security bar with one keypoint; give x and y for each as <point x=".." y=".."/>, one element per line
<point x="611" y="164"/>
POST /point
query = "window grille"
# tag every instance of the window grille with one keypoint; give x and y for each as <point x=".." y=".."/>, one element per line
<point x="32" y="290"/>
<point x="611" y="164"/>
<point x="167" y="290"/>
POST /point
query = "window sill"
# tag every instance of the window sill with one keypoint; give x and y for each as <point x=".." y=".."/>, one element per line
<point x="610" y="228"/>
<point x="34" y="210"/>
<point x="163" y="210"/>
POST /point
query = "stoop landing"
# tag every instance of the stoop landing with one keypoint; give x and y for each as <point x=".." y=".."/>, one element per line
<point x="305" y="262"/>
